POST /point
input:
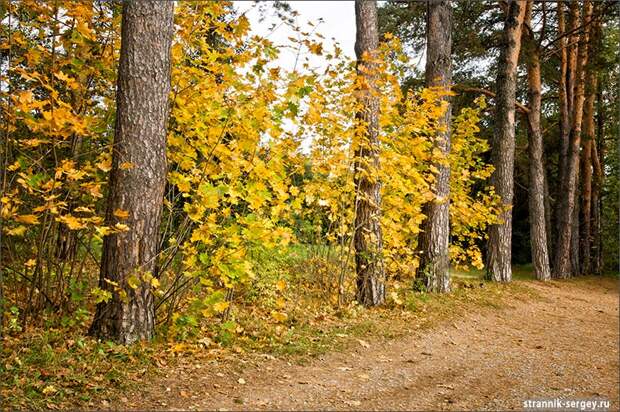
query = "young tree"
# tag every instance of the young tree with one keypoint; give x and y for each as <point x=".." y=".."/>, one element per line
<point x="562" y="263"/>
<point x="538" y="231"/>
<point x="503" y="144"/>
<point x="368" y="235"/>
<point x="138" y="173"/>
<point x="435" y="260"/>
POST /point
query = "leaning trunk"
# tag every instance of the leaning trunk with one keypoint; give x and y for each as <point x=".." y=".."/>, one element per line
<point x="128" y="261"/>
<point x="563" y="264"/>
<point x="367" y="234"/>
<point x="503" y="145"/>
<point x="435" y="260"/>
<point x="538" y="231"/>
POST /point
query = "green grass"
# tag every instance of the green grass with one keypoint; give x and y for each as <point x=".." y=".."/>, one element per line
<point x="519" y="272"/>
<point x="54" y="366"/>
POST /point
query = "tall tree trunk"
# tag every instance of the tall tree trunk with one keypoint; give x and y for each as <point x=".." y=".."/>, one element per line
<point x="548" y="210"/>
<point x="573" y="56"/>
<point x="563" y="267"/>
<point x="538" y="227"/>
<point x="129" y="258"/>
<point x="368" y="239"/>
<point x="586" y="198"/>
<point x="503" y="145"/>
<point x="573" y="43"/>
<point x="575" y="259"/>
<point x="563" y="92"/>
<point x="435" y="260"/>
<point x="597" y="162"/>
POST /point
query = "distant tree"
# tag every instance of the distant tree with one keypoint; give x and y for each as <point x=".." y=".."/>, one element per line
<point x="435" y="260"/>
<point x="138" y="173"/>
<point x="563" y="267"/>
<point x="368" y="235"/>
<point x="538" y="229"/>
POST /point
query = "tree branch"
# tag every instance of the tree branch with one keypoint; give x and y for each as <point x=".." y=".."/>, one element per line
<point x="521" y="107"/>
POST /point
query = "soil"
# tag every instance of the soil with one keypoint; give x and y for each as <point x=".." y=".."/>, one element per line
<point x="563" y="343"/>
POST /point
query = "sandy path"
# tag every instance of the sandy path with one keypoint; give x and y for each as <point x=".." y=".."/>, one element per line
<point x="565" y="345"/>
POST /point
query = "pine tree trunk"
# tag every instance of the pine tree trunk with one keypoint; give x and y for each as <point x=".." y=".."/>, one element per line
<point x="563" y="263"/>
<point x="538" y="227"/>
<point x="586" y="198"/>
<point x="503" y="144"/>
<point x="140" y="139"/>
<point x="575" y="259"/>
<point x="597" y="162"/>
<point x="368" y="239"/>
<point x="548" y="210"/>
<point x="563" y="92"/>
<point x="435" y="261"/>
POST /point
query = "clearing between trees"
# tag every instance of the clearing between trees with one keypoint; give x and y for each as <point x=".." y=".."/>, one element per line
<point x="563" y="343"/>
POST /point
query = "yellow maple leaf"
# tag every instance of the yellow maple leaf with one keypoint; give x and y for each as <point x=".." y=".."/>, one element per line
<point x="281" y="285"/>
<point x="221" y="306"/>
<point x="72" y="222"/>
<point x="279" y="316"/>
<point x="121" y="214"/>
<point x="16" y="231"/>
<point x="28" y="219"/>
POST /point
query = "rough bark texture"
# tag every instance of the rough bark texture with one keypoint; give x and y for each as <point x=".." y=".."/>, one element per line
<point x="597" y="162"/>
<point x="548" y="210"/>
<point x="368" y="238"/>
<point x="563" y="265"/>
<point x="564" y="118"/>
<point x="435" y="261"/>
<point x="140" y="139"/>
<point x="538" y="227"/>
<point x="575" y="264"/>
<point x="586" y="175"/>
<point x="503" y="144"/>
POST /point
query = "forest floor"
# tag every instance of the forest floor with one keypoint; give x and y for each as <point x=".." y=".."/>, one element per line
<point x="558" y="340"/>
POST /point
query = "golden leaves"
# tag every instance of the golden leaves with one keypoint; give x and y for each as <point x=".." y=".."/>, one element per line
<point x="121" y="214"/>
<point x="72" y="222"/>
<point x="27" y="219"/>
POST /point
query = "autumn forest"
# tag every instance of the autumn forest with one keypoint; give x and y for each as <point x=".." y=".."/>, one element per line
<point x="199" y="213"/>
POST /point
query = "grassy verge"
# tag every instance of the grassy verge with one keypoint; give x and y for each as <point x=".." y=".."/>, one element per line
<point x="60" y="368"/>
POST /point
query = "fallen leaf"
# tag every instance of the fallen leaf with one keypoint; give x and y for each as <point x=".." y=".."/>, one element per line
<point x="49" y="390"/>
<point x="364" y="343"/>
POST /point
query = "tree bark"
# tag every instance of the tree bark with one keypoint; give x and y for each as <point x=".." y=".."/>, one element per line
<point x="538" y="227"/>
<point x="140" y="139"/>
<point x="563" y="91"/>
<point x="586" y="198"/>
<point x="435" y="261"/>
<point x="563" y="264"/>
<point x="368" y="238"/>
<point x="503" y="144"/>
<point x="597" y="162"/>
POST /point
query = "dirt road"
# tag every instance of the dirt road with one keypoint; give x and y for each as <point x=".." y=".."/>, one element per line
<point x="562" y="345"/>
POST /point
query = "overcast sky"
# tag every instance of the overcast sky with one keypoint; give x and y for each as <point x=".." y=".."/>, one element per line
<point x="338" y="23"/>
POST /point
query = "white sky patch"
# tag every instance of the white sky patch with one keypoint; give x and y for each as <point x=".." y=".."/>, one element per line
<point x="334" y="20"/>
